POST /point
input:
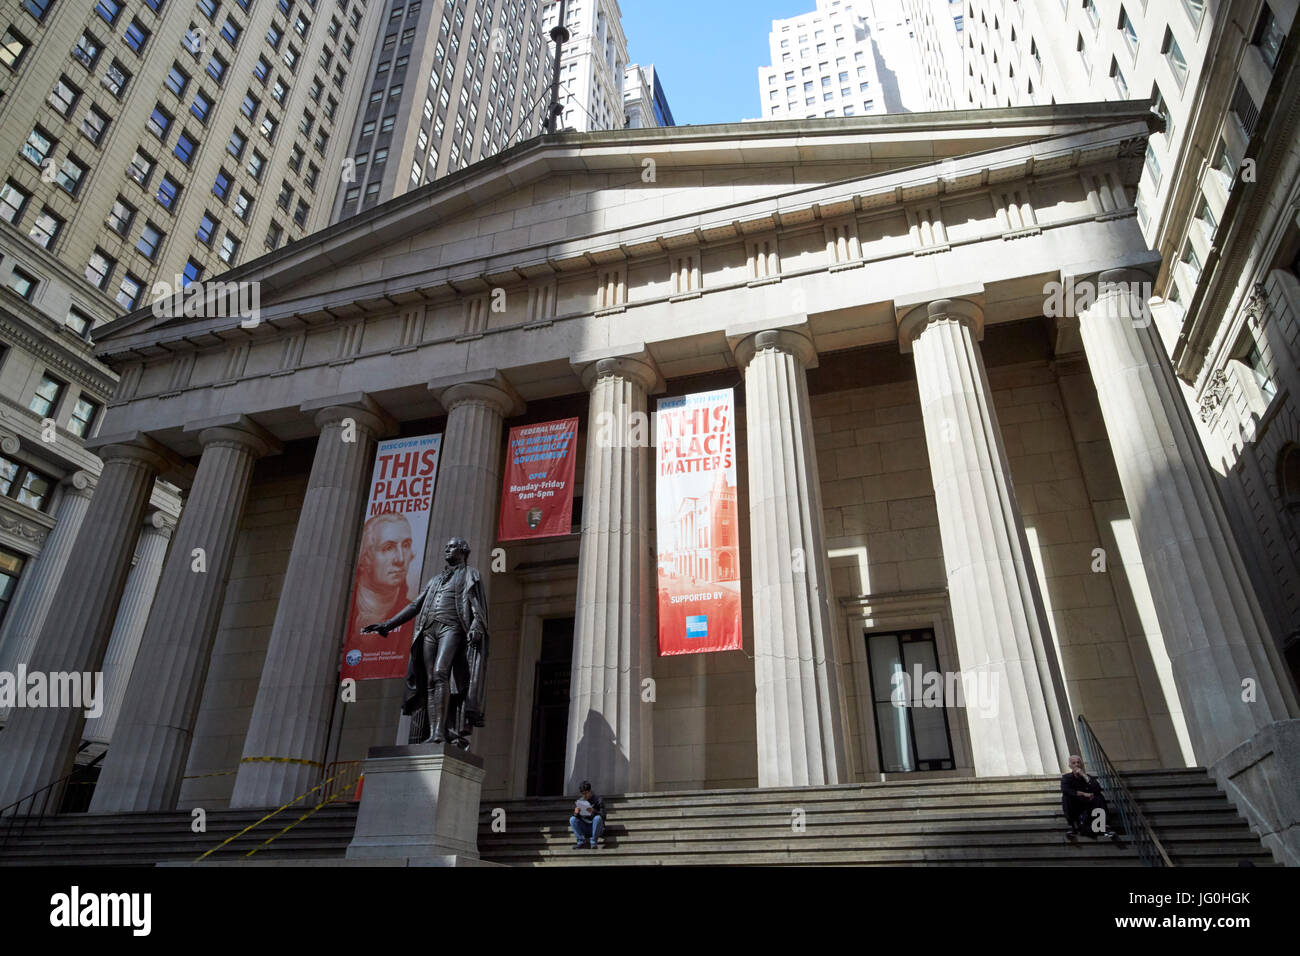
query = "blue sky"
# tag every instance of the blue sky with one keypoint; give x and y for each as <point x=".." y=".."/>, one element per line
<point x="707" y="52"/>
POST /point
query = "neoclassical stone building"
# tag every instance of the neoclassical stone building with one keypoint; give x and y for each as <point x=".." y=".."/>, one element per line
<point x="940" y="466"/>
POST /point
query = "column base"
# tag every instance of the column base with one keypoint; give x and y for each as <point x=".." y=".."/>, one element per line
<point x="420" y="804"/>
<point x="1259" y="777"/>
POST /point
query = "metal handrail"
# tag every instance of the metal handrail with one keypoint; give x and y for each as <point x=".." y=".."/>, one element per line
<point x="347" y="770"/>
<point x="21" y="820"/>
<point x="1135" y="824"/>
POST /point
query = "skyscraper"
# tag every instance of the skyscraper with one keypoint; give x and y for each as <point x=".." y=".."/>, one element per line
<point x="846" y="58"/>
<point x="644" y="101"/>
<point x="155" y="139"/>
<point x="1217" y="201"/>
<point x="593" y="63"/>
<point x="447" y="84"/>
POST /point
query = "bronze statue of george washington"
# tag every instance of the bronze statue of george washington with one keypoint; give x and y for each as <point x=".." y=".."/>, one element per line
<point x="446" y="679"/>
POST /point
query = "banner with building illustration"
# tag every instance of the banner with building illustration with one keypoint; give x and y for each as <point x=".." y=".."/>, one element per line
<point x="698" y="544"/>
<point x="390" y="556"/>
<point x="537" y="495"/>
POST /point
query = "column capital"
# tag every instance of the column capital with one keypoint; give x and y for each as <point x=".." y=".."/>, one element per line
<point x="634" y="363"/>
<point x="138" y="446"/>
<point x="913" y="321"/>
<point x="796" y="339"/>
<point x="236" y="431"/>
<point x="487" y="387"/>
<point x="9" y="443"/>
<point x="159" y="522"/>
<point x="358" y="406"/>
<point x="79" y="482"/>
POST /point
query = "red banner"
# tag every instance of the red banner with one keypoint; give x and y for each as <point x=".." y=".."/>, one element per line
<point x="537" y="496"/>
<point x="698" y="530"/>
<point x="390" y="556"/>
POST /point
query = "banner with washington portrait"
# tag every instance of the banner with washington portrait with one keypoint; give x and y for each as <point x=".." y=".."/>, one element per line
<point x="698" y="531"/>
<point x="390" y="556"/>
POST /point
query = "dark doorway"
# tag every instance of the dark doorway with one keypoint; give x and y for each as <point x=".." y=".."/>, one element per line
<point x="551" y="709"/>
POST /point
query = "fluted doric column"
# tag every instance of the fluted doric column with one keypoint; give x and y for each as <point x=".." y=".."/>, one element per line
<point x="39" y="744"/>
<point x="290" y="721"/>
<point x="469" y="475"/>
<point x="999" y="622"/>
<point x="610" y="735"/>
<point x="147" y="760"/>
<point x="128" y="627"/>
<point x="1226" y="667"/>
<point x="797" y="696"/>
<point x="41" y="577"/>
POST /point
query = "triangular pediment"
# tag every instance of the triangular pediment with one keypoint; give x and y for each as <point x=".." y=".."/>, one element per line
<point x="572" y="201"/>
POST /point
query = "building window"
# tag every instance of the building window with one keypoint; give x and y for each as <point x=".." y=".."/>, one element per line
<point x="141" y="168"/>
<point x="1174" y="57"/>
<point x="83" y="417"/>
<point x="1268" y="37"/>
<point x="1129" y="31"/>
<point x="159" y="122"/>
<point x="12" y="48"/>
<point x="86" y="52"/>
<point x="230" y="31"/>
<point x="177" y="80"/>
<point x="109" y="10"/>
<point x="1116" y="74"/>
<point x="39" y="145"/>
<point x="121" y="216"/>
<point x="1195" y="10"/>
<point x="168" y="190"/>
<point x="1206" y="219"/>
<point x="71" y="174"/>
<point x="128" y="294"/>
<point x="13" y="200"/>
<point x="45" y="401"/>
<point x="1225" y="166"/>
<point x="99" y="269"/>
<point x="235" y="145"/>
<point x="93" y="125"/>
<point x="25" y="484"/>
<point x="64" y="96"/>
<point x="1161" y="108"/>
<point x="115" y="79"/>
<point x="45" y="230"/>
<point x="23" y="283"/>
<point x="185" y="147"/>
<point x="216" y="67"/>
<point x="207" y="227"/>
<point x="136" y="36"/>
<point x="191" y="273"/>
<point x="201" y="106"/>
<point x="150" y="238"/>
<point x="229" y="250"/>
<point x="243" y="205"/>
<point x="79" y="322"/>
<point x="256" y="164"/>
<point x="221" y="186"/>
<point x="1153" y="166"/>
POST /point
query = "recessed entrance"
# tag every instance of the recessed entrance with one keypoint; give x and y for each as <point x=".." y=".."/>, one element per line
<point x="550" y="709"/>
<point x="915" y="736"/>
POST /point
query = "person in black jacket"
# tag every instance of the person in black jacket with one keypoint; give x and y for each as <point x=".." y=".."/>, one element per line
<point x="588" y="820"/>
<point x="1081" y="798"/>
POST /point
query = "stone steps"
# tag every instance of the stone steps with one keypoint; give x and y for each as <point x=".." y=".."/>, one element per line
<point x="996" y="821"/>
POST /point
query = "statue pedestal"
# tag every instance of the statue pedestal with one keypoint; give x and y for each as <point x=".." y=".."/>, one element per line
<point x="420" y="804"/>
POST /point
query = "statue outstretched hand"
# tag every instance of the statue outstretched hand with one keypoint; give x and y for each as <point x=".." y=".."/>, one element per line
<point x="375" y="629"/>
